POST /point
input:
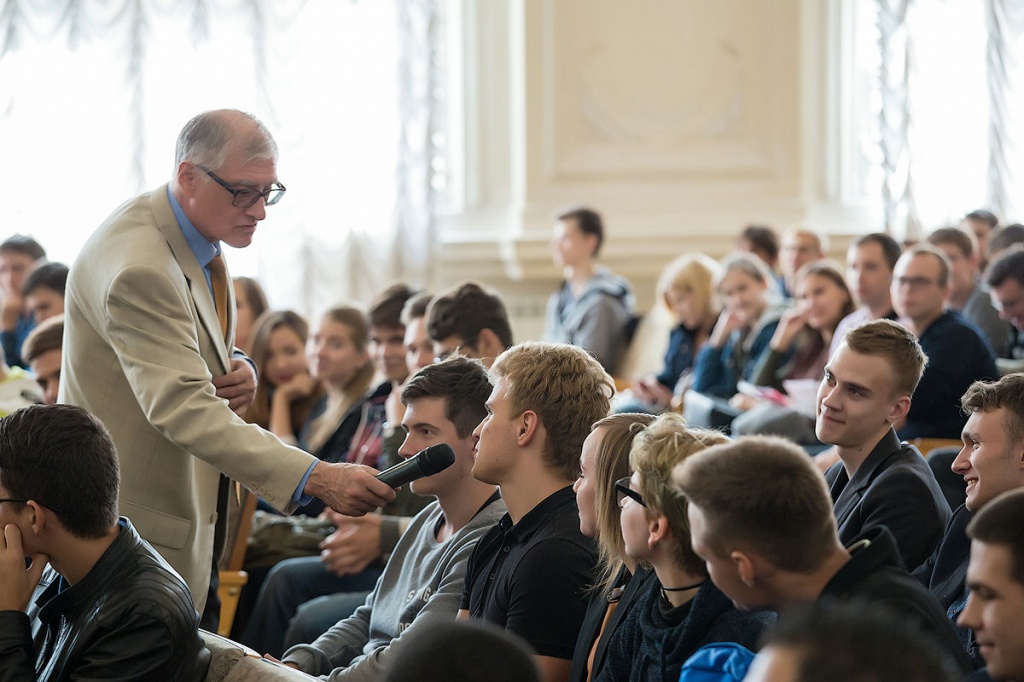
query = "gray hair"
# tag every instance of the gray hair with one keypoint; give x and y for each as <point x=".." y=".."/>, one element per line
<point x="210" y="137"/>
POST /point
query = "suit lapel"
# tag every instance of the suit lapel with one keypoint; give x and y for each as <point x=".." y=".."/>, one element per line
<point x="200" y="291"/>
<point x="849" y="496"/>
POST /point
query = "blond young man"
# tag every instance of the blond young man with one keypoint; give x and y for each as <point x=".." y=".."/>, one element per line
<point x="544" y="401"/>
<point x="879" y="480"/>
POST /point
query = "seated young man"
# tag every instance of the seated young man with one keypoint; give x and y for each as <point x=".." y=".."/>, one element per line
<point x="107" y="606"/>
<point x="761" y="518"/>
<point x="957" y="354"/>
<point x="42" y="351"/>
<point x="304" y="596"/>
<point x="995" y="576"/>
<point x="1005" y="281"/>
<point x="423" y="579"/>
<point x="18" y="255"/>
<point x="966" y="295"/>
<point x="530" y="574"/>
<point x="869" y="264"/>
<point x="991" y="463"/>
<point x="471" y="320"/>
<point x="43" y="291"/>
<point x="879" y="481"/>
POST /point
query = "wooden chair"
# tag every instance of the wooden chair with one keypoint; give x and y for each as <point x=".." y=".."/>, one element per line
<point x="232" y="577"/>
<point x="926" y="445"/>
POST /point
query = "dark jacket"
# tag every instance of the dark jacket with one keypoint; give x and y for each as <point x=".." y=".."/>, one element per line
<point x="875" y="575"/>
<point x="592" y="622"/>
<point x="655" y="639"/>
<point x="945" y="576"/>
<point x="130" y="618"/>
<point x="894" y="487"/>
<point x="716" y="371"/>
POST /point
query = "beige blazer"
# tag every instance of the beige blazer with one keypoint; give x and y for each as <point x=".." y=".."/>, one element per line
<point x="141" y="346"/>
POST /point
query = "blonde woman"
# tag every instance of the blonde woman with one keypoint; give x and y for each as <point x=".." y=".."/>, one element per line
<point x="687" y="290"/>
<point x="682" y="610"/>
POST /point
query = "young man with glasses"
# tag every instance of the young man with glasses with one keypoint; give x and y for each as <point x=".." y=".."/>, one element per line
<point x="530" y="573"/>
<point x="957" y="353"/>
<point x="96" y="602"/>
<point x="149" y="349"/>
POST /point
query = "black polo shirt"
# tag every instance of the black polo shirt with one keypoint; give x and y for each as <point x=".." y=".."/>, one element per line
<point x="531" y="578"/>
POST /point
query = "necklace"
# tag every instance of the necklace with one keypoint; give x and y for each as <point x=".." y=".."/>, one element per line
<point x="684" y="588"/>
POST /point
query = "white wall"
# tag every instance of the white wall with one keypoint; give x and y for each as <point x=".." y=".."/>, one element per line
<point x="680" y="120"/>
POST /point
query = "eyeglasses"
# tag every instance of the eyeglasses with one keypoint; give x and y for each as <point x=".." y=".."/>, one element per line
<point x="915" y="282"/>
<point x="622" y="491"/>
<point x="22" y="501"/>
<point x="244" y="198"/>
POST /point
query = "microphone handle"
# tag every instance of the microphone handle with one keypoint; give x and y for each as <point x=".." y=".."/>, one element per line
<point x="401" y="474"/>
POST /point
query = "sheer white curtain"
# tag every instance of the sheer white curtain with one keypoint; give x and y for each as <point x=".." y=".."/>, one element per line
<point x="948" y="105"/>
<point x="93" y="93"/>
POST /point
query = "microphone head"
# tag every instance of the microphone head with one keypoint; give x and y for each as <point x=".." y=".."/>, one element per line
<point x="436" y="458"/>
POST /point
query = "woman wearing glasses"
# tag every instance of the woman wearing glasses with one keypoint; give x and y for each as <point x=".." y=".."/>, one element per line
<point x="682" y="609"/>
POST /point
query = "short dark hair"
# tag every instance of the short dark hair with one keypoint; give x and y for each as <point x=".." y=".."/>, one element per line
<point x="47" y="336"/>
<point x="983" y="216"/>
<point x="855" y="641"/>
<point x="762" y="239"/>
<point x="988" y="396"/>
<point x="52" y="276"/>
<point x="63" y="458"/>
<point x="1006" y="237"/>
<point x="762" y="492"/>
<point x="22" y="243"/>
<point x="472" y="651"/>
<point x="465" y="311"/>
<point x="462" y="382"/>
<point x="386" y="311"/>
<point x="588" y="221"/>
<point x="416" y="307"/>
<point x="999" y="523"/>
<point x="890" y="247"/>
<point x="1009" y="265"/>
<point x="964" y="241"/>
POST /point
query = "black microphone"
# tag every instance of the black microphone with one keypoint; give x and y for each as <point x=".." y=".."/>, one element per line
<point x="426" y="462"/>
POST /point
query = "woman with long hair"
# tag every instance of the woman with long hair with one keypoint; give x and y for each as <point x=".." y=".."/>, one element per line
<point x="743" y="330"/>
<point x="686" y="288"/>
<point x="797" y="351"/>
<point x="604" y="460"/>
<point x="285" y="390"/>
<point x="342" y="426"/>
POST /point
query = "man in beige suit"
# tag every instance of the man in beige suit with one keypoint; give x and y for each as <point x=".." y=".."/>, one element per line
<point x="145" y="351"/>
